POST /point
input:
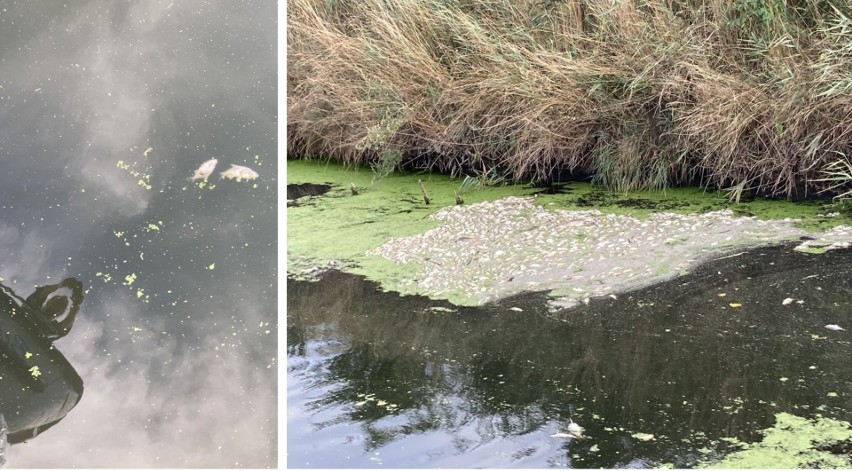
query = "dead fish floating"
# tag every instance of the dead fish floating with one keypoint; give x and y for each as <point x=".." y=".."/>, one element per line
<point x="574" y="431"/>
<point x="204" y="170"/>
<point x="239" y="173"/>
<point x="236" y="172"/>
<point x="834" y="327"/>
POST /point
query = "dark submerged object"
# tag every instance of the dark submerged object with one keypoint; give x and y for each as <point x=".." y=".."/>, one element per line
<point x="38" y="386"/>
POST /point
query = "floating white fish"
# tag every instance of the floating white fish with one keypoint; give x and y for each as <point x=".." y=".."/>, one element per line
<point x="239" y="173"/>
<point x="574" y="431"/>
<point x="787" y="301"/>
<point x="147" y="151"/>
<point x="204" y="170"/>
<point x="834" y="327"/>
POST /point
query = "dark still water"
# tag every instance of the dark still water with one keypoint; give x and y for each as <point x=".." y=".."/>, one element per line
<point x="375" y="380"/>
<point x="105" y="109"/>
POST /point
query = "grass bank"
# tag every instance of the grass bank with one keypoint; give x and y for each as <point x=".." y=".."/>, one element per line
<point x="746" y="95"/>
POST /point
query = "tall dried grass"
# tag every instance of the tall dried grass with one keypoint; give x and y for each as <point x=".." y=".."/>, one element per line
<point x="637" y="93"/>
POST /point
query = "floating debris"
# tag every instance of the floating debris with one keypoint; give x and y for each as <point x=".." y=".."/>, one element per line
<point x="147" y="151"/>
<point x="735" y="305"/>
<point x="574" y="431"/>
<point x="515" y="308"/>
<point x="834" y="327"/>
<point x="643" y="436"/>
<point x="787" y="301"/>
<point x="204" y="170"/>
<point x="239" y="173"/>
<point x="423" y="192"/>
<point x="441" y="309"/>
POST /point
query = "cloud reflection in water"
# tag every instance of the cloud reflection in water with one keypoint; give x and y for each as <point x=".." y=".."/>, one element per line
<point x="183" y="374"/>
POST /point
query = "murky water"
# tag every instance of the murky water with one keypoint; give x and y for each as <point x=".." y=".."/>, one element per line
<point x="105" y="109"/>
<point x="670" y="374"/>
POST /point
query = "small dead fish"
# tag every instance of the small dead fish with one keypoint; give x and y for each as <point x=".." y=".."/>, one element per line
<point x="834" y="327"/>
<point x="239" y="173"/>
<point x="787" y="301"/>
<point x="574" y="431"/>
<point x="147" y="151"/>
<point x="204" y="170"/>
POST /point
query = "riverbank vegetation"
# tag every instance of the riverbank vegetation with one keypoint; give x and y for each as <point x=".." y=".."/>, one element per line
<point x="745" y="95"/>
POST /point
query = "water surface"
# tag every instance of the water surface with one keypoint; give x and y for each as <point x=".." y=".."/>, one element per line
<point x="671" y="374"/>
<point x="176" y="338"/>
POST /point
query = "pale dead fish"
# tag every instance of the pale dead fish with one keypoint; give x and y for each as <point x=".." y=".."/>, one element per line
<point x="147" y="151"/>
<point x="787" y="301"/>
<point x="239" y="173"/>
<point x="204" y="170"/>
<point x="834" y="327"/>
<point x="574" y="431"/>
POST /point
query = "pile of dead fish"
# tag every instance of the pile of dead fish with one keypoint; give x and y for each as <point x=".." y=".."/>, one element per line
<point x="491" y="250"/>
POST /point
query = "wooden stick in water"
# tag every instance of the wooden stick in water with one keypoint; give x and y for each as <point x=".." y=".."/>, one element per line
<point x="423" y="191"/>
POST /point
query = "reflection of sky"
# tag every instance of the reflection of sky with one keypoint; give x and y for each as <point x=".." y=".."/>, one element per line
<point x="180" y="366"/>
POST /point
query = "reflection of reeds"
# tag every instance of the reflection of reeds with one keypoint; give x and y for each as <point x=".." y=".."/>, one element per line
<point x="675" y="360"/>
<point x="637" y="94"/>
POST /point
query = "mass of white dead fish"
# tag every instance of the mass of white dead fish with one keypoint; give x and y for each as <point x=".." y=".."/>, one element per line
<point x="588" y="254"/>
<point x="834" y="327"/>
<point x="236" y="172"/>
<point x="204" y="170"/>
<point x="239" y="173"/>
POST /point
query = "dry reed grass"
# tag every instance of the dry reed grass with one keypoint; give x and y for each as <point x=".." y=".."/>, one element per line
<point x="638" y="94"/>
